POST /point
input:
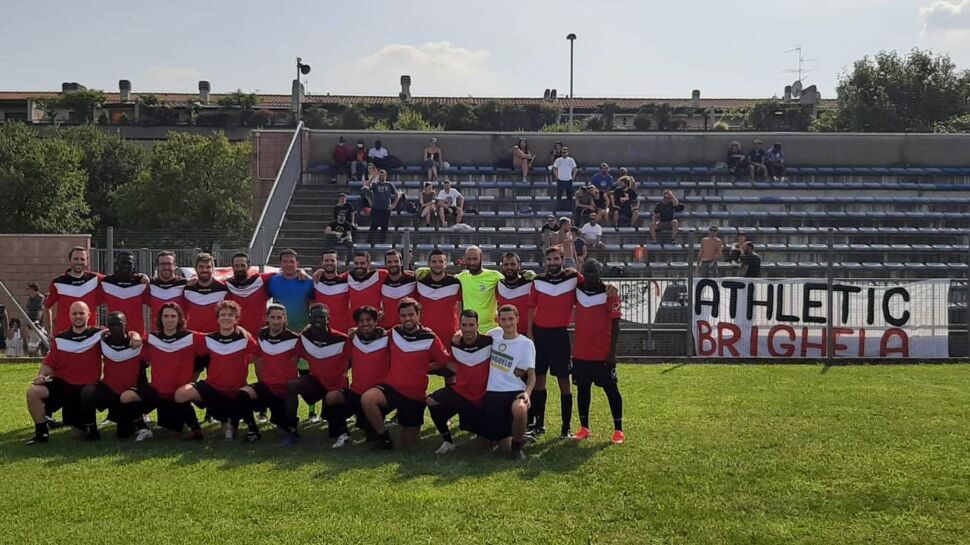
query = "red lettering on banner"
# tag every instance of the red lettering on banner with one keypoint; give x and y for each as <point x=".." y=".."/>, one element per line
<point x="806" y="343"/>
<point x="787" y="347"/>
<point x="728" y="342"/>
<point x="862" y="342"/>
<point x="704" y="336"/>
<point x="836" y="347"/>
<point x="753" y="345"/>
<point x="902" y="349"/>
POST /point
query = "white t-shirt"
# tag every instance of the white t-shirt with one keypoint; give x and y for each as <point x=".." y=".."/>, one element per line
<point x="507" y="356"/>
<point x="564" y="166"/>
<point x="591" y="233"/>
<point x="450" y="197"/>
<point x="377" y="153"/>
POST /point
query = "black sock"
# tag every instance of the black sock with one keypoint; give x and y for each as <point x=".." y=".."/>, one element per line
<point x="244" y="408"/>
<point x="537" y="411"/>
<point x="189" y="417"/>
<point x="41" y="430"/>
<point x="336" y="419"/>
<point x="583" y="393"/>
<point x="616" y="405"/>
<point x="385" y="436"/>
<point x="440" y="418"/>
<point x="566" y="404"/>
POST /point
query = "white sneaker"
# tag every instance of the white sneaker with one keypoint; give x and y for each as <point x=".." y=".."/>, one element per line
<point x="445" y="448"/>
<point x="262" y="419"/>
<point x="228" y="432"/>
<point x="143" y="435"/>
<point x="342" y="441"/>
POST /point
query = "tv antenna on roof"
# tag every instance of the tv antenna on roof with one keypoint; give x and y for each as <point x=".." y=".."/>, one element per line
<point x="800" y="69"/>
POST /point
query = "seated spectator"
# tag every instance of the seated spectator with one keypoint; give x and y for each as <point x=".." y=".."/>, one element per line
<point x="709" y="254"/>
<point x="345" y="208"/>
<point x="566" y="240"/>
<point x="450" y="203"/>
<point x="367" y="191"/>
<point x="756" y="160"/>
<point x="737" y="161"/>
<point x="737" y="247"/>
<point x="626" y="203"/>
<point x="433" y="160"/>
<point x="15" y="339"/>
<point x="378" y="155"/>
<point x="750" y="262"/>
<point x="555" y="153"/>
<point x="592" y="232"/>
<point x="343" y="155"/>
<point x="602" y="179"/>
<point x="427" y="203"/>
<point x="583" y="204"/>
<point x="601" y="201"/>
<point x="341" y="230"/>
<point x="548" y="229"/>
<point x="579" y="244"/>
<point x="622" y="172"/>
<point x="775" y="158"/>
<point x="522" y="159"/>
<point x="663" y="216"/>
<point x="359" y="162"/>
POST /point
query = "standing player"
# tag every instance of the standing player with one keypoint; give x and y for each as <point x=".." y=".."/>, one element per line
<point x="121" y="371"/>
<point x="76" y="284"/>
<point x="202" y="295"/>
<point x="514" y="289"/>
<point x="413" y="348"/>
<point x="275" y="368"/>
<point x="74" y="361"/>
<point x="331" y="289"/>
<point x="511" y="380"/>
<point x="166" y="287"/>
<point x="471" y="352"/>
<point x="594" y="356"/>
<point x="249" y="292"/>
<point x="397" y="285"/>
<point x="364" y="283"/>
<point x="124" y="291"/>
<point x="439" y="294"/>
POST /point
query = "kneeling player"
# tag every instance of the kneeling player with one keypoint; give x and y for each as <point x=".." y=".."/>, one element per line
<point x="506" y="406"/>
<point x="471" y="353"/>
<point x="275" y="368"/>
<point x="121" y="371"/>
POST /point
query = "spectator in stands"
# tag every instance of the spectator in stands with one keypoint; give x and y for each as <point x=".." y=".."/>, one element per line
<point x="15" y="339"/>
<point x="565" y="239"/>
<point x="427" y="203"/>
<point x="433" y="160"/>
<point x="358" y="162"/>
<point x="602" y="202"/>
<point x="592" y="232"/>
<point x="522" y="159"/>
<point x="584" y="204"/>
<point x="341" y="231"/>
<point x="622" y="172"/>
<point x="709" y="254"/>
<point x="548" y="230"/>
<point x="737" y="161"/>
<point x="386" y="199"/>
<point x="378" y="155"/>
<point x="664" y="216"/>
<point x="343" y="155"/>
<point x="345" y="209"/>
<point x="756" y="160"/>
<point x="626" y="203"/>
<point x="367" y="190"/>
<point x="737" y="247"/>
<point x="555" y="153"/>
<point x="564" y="171"/>
<point x="602" y="179"/>
<point x="450" y="203"/>
<point x="579" y="244"/>
<point x="775" y="159"/>
<point x="35" y="303"/>
<point x="750" y="262"/>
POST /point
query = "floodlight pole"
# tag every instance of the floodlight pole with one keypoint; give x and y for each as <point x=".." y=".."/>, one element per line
<point x="572" y="38"/>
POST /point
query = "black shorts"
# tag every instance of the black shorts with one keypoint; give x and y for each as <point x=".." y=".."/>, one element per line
<point x="220" y="406"/>
<point x="552" y="351"/>
<point x="593" y="372"/>
<point x="310" y="389"/>
<point x="201" y="364"/>
<point x="410" y="412"/>
<point x="267" y="400"/>
<point x="450" y="210"/>
<point x="469" y="414"/>
<point x="170" y="414"/>
<point x="352" y="406"/>
<point x="99" y="397"/>
<point x="66" y="397"/>
<point x="497" y="414"/>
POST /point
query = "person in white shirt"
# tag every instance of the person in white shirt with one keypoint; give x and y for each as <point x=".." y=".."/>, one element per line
<point x="564" y="171"/>
<point x="378" y="155"/>
<point x="592" y="232"/>
<point x="505" y="409"/>
<point x="450" y="203"/>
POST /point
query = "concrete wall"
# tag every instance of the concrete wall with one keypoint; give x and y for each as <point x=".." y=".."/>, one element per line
<point x="33" y="258"/>
<point x="678" y="148"/>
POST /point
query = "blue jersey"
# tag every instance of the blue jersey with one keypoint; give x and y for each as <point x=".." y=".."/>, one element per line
<point x="295" y="295"/>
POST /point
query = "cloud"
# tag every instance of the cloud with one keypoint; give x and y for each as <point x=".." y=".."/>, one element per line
<point x="946" y="15"/>
<point x="168" y="78"/>
<point x="436" y="68"/>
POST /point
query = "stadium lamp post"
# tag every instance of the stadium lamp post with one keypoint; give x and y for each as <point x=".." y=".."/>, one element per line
<point x="572" y="38"/>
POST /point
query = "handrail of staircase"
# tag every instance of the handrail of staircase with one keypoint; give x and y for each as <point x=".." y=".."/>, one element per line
<point x="288" y="177"/>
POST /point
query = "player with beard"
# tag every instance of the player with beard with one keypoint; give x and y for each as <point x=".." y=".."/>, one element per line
<point x="202" y="295"/>
<point x="76" y="284"/>
<point x="275" y="368"/>
<point x="396" y="286"/>
<point x="470" y="352"/>
<point x="165" y="287"/>
<point x="124" y="291"/>
<point x="249" y="292"/>
<point x="121" y="371"/>
<point x="515" y="288"/>
<point x="323" y="348"/>
<point x="364" y="284"/>
<point x="439" y="294"/>
<point x="413" y="349"/>
<point x="330" y="288"/>
<point x="594" y="356"/>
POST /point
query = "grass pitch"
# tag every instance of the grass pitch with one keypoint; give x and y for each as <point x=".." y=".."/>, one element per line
<point x="714" y="455"/>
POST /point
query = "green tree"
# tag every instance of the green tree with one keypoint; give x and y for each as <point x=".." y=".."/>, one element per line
<point x="435" y="113"/>
<point x="318" y="117"/>
<point x="595" y="123"/>
<point x="192" y="182"/>
<point x="607" y="112"/>
<point x="461" y="117"/>
<point x="489" y="116"/>
<point x="238" y="99"/>
<point x="548" y="114"/>
<point x="956" y="124"/>
<point x="41" y="182"/>
<point x="353" y="119"/>
<point x="661" y="117"/>
<point x="642" y="122"/>
<point x="81" y="104"/>
<point x="411" y="120"/>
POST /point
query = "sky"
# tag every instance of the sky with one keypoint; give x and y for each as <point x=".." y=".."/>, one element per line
<point x="624" y="48"/>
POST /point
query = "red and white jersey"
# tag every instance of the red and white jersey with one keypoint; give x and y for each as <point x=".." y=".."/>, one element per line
<point x="392" y="291"/>
<point x="325" y="353"/>
<point x="412" y="354"/>
<point x="251" y="295"/>
<point x="160" y="292"/>
<point x="229" y="358"/>
<point x="200" y="305"/>
<point x="335" y="293"/>
<point x="367" y="291"/>
<point x="369" y="361"/>
<point x="595" y="312"/>
<point x="121" y="364"/>
<point x="471" y="375"/>
<point x="278" y="357"/>
<point x="516" y="293"/>
<point x="126" y="296"/>
<point x="76" y="357"/>
<point x="439" y="305"/>
<point x="171" y="360"/>
<point x="67" y="289"/>
<point x="553" y="297"/>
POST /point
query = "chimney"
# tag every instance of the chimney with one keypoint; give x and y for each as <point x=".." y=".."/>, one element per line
<point x="204" y="89"/>
<point x="69" y="86"/>
<point x="124" y="90"/>
<point x="788" y="93"/>
<point x="695" y="98"/>
<point x="405" y="88"/>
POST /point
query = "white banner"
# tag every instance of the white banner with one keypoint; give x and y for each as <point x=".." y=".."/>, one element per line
<point x="755" y="318"/>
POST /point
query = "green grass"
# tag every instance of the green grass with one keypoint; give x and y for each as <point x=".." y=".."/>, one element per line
<point x="715" y="454"/>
